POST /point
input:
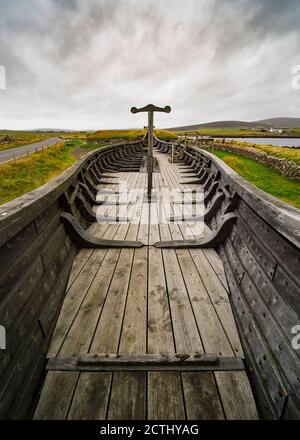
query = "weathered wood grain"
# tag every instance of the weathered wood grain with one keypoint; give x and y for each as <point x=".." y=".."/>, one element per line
<point x="236" y="395"/>
<point x="56" y="396"/>
<point x="133" y="406"/>
<point x="165" y="399"/>
<point x="201" y="397"/>
<point x="91" y="397"/>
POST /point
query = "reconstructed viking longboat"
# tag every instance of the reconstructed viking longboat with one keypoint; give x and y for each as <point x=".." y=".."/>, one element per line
<point x="110" y="318"/>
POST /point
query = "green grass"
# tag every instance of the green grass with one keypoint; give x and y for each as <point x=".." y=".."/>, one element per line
<point x="164" y="135"/>
<point x="21" y="138"/>
<point x="26" y="174"/>
<point x="292" y="154"/>
<point x="238" y="132"/>
<point x="92" y="146"/>
<point x="109" y="135"/>
<point x="75" y="135"/>
<point x="263" y="177"/>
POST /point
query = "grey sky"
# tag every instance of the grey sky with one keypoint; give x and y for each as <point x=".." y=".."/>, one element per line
<point x="84" y="63"/>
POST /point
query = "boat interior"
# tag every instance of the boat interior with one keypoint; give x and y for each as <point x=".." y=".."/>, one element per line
<point x="177" y="306"/>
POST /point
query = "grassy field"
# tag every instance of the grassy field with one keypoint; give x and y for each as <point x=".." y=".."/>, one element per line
<point x="21" y="138"/>
<point x="109" y="135"/>
<point x="236" y="132"/>
<point x="26" y="174"/>
<point x="287" y="153"/>
<point x="263" y="177"/>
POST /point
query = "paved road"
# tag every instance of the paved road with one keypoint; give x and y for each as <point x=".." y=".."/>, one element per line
<point x="11" y="153"/>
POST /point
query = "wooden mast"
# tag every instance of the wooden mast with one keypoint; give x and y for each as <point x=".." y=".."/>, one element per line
<point x="150" y="109"/>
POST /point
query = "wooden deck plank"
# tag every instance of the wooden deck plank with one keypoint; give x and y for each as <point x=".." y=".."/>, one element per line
<point x="236" y="395"/>
<point x="91" y="397"/>
<point x="128" y="396"/>
<point x="143" y="233"/>
<point x="217" y="265"/>
<point x="211" y="270"/>
<point x="154" y="215"/>
<point x="188" y="230"/>
<point x="219" y="298"/>
<point x="165" y="399"/>
<point x="201" y="397"/>
<point x="79" y="262"/>
<point x="133" y="333"/>
<point x="127" y="183"/>
<point x="160" y="332"/>
<point x="82" y="329"/>
<point x="211" y="255"/>
<point x="134" y="328"/>
<point x="56" y="395"/>
<point x="212" y="333"/>
<point x="74" y="300"/>
<point x="107" y="335"/>
<point x="187" y="338"/>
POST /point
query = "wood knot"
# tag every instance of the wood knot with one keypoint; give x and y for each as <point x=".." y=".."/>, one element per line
<point x="182" y="356"/>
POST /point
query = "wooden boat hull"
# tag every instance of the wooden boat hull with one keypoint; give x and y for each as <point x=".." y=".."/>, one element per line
<point x="260" y="252"/>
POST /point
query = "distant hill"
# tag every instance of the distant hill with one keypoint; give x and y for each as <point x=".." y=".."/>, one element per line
<point x="280" y="122"/>
<point x="264" y="123"/>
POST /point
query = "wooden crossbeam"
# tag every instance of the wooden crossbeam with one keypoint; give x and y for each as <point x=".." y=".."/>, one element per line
<point x="148" y="362"/>
<point x="83" y="240"/>
<point x="211" y="240"/>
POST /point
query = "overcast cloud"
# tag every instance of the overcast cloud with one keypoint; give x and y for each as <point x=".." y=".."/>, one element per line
<point x="83" y="63"/>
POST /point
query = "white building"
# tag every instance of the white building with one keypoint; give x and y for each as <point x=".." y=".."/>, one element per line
<point x="276" y="130"/>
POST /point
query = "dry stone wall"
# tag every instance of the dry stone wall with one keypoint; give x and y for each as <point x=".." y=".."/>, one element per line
<point x="283" y="166"/>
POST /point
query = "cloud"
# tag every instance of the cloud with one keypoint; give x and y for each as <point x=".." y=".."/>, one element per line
<point x="83" y="64"/>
